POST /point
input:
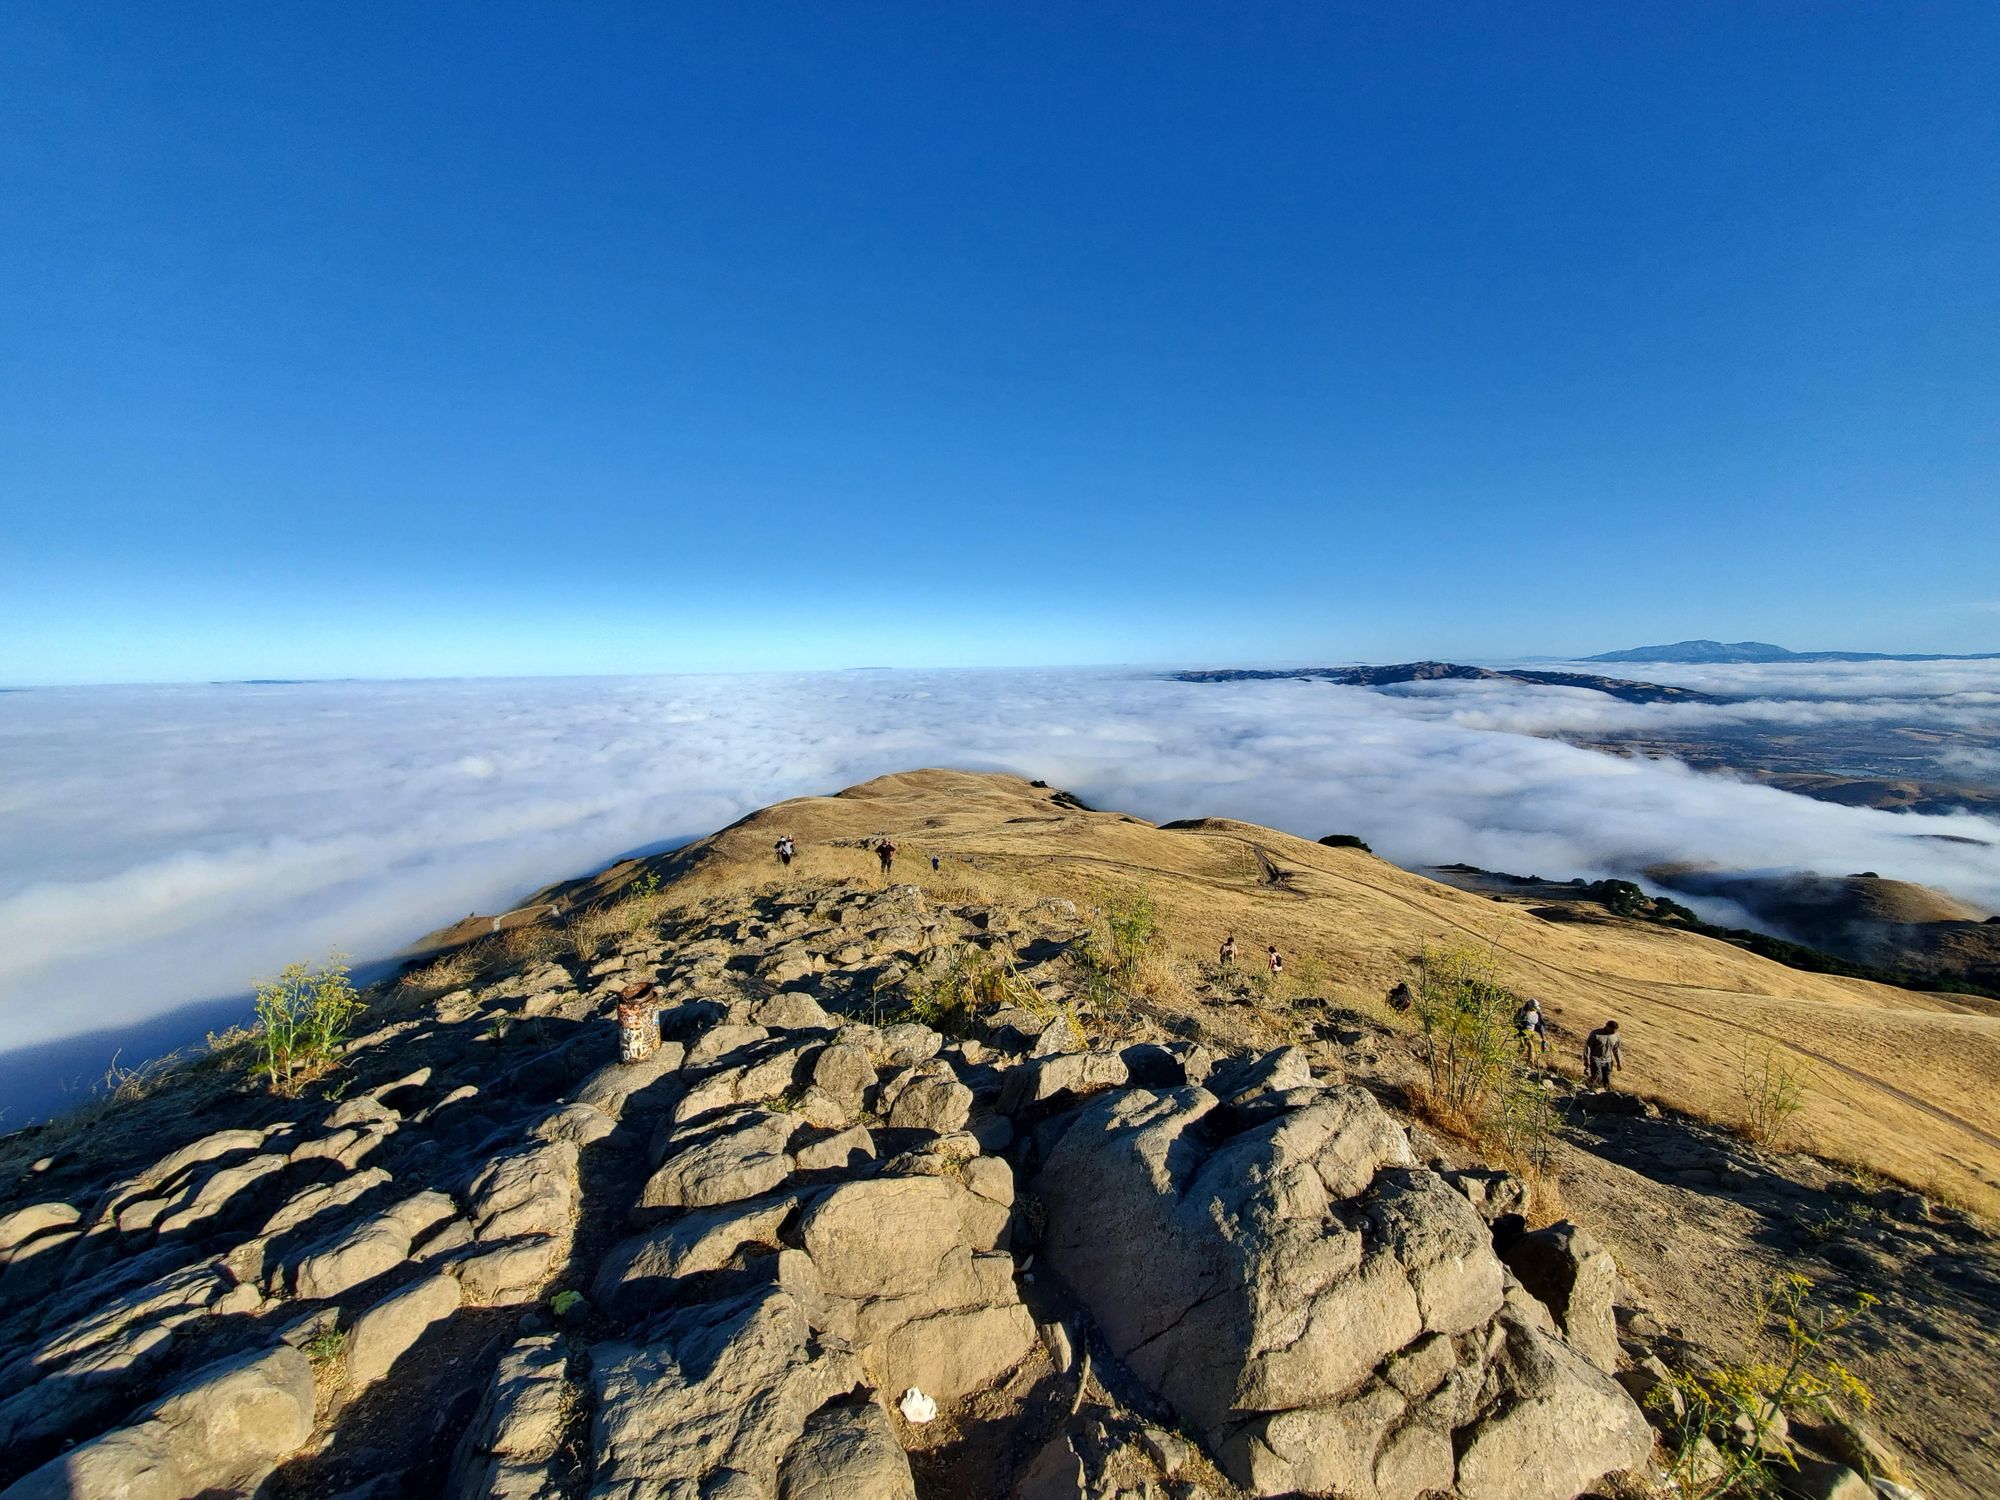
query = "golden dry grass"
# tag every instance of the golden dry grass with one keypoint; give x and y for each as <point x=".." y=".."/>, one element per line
<point x="1904" y="1078"/>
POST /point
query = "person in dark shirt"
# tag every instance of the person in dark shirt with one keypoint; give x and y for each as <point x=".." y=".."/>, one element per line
<point x="1603" y="1055"/>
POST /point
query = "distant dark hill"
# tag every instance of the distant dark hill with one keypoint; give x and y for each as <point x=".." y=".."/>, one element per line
<point x="1704" y="652"/>
<point x="1437" y="671"/>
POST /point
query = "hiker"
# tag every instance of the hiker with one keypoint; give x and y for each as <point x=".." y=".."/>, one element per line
<point x="1226" y="955"/>
<point x="1402" y="997"/>
<point x="1531" y="1028"/>
<point x="1602" y="1055"/>
<point x="886" y="852"/>
<point x="934" y="864"/>
<point x="1277" y="963"/>
<point x="784" y="850"/>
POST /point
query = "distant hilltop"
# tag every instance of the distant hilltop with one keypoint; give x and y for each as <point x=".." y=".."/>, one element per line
<point x="1760" y="651"/>
<point x="1437" y="671"/>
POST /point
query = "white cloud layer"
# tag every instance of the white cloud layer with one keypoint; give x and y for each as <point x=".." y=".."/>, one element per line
<point x="163" y="845"/>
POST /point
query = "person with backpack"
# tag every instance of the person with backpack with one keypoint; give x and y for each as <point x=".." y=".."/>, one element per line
<point x="1226" y="955"/>
<point x="886" y="852"/>
<point x="1603" y="1054"/>
<point x="784" y="850"/>
<point x="1531" y="1028"/>
<point x="1277" y="965"/>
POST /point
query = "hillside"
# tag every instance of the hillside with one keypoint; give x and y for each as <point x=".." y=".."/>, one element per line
<point x="903" y="1207"/>
<point x="1907" y="1089"/>
<point x="1704" y="652"/>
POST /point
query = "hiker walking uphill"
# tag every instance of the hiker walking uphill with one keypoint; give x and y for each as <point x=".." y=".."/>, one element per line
<point x="1531" y="1028"/>
<point x="1226" y="955"/>
<point x="1277" y="964"/>
<point x="1602" y="1055"/>
<point x="886" y="852"/>
<point x="784" y="850"/>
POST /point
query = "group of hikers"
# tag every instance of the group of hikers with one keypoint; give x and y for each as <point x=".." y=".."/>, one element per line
<point x="1603" y="1050"/>
<point x="884" y="851"/>
<point x="1273" y="959"/>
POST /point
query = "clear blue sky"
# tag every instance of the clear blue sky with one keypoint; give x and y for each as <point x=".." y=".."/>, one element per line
<point x="496" y="338"/>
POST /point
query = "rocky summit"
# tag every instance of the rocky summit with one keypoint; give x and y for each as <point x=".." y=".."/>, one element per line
<point x="829" y="1239"/>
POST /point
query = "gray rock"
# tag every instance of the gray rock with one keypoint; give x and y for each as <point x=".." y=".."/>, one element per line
<point x="638" y="1273"/>
<point x="792" y="1011"/>
<point x="388" y="1330"/>
<point x="578" y="1123"/>
<point x="1823" y="1479"/>
<point x="129" y="1319"/>
<point x="720" y="1041"/>
<point x="1443" y="1248"/>
<point x="848" y="1451"/>
<point x="519" y="1426"/>
<point x="934" y="1101"/>
<point x="1250" y="1078"/>
<point x="843" y="1151"/>
<point x="1570" y="1273"/>
<point x="844" y="1235"/>
<point x="1491" y="1193"/>
<point x="532" y="1191"/>
<point x="716" y="1389"/>
<point x="1568" y="1424"/>
<point x="743" y="1156"/>
<point x="347" y="1147"/>
<point x="26" y="1226"/>
<point x="845" y="1073"/>
<point x="1063" y="1074"/>
<point x="1304" y="1282"/>
<point x="303" y="1207"/>
<point x="510" y="1272"/>
<point x="219" y="1190"/>
<point x="357" y="1255"/>
<point x="908" y="1044"/>
<point x="221" y="1432"/>
<point x="612" y="1086"/>
<point x="1651" y="1385"/>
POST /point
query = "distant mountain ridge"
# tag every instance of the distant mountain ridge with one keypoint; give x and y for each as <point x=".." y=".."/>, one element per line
<point x="1728" y="652"/>
<point x="1437" y="671"/>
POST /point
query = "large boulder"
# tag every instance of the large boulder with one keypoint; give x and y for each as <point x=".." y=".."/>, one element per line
<point x="519" y="1426"/>
<point x="741" y="1156"/>
<point x="221" y="1432"/>
<point x="1564" y="1424"/>
<point x="1573" y="1276"/>
<point x="639" y="1273"/>
<point x="1316" y="1306"/>
<point x="847" y="1452"/>
<point x="714" y="1388"/>
<point x="388" y="1330"/>
<point x="924" y="1305"/>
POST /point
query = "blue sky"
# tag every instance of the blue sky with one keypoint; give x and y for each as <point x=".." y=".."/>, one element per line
<point x="392" y="340"/>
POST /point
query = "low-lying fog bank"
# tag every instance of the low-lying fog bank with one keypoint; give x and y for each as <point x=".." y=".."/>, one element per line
<point x="164" y="845"/>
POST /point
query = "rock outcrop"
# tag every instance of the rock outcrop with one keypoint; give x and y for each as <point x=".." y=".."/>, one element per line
<point x="1325" y="1313"/>
<point x="766" y="1260"/>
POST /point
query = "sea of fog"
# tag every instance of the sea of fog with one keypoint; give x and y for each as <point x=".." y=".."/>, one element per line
<point x="162" y="847"/>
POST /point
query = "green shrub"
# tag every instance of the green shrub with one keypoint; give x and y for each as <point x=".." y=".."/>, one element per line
<point x="302" y="1021"/>
<point x="1773" y="1085"/>
<point x="1477" y="1087"/>
<point x="1466" y="1022"/>
<point x="1132" y="923"/>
